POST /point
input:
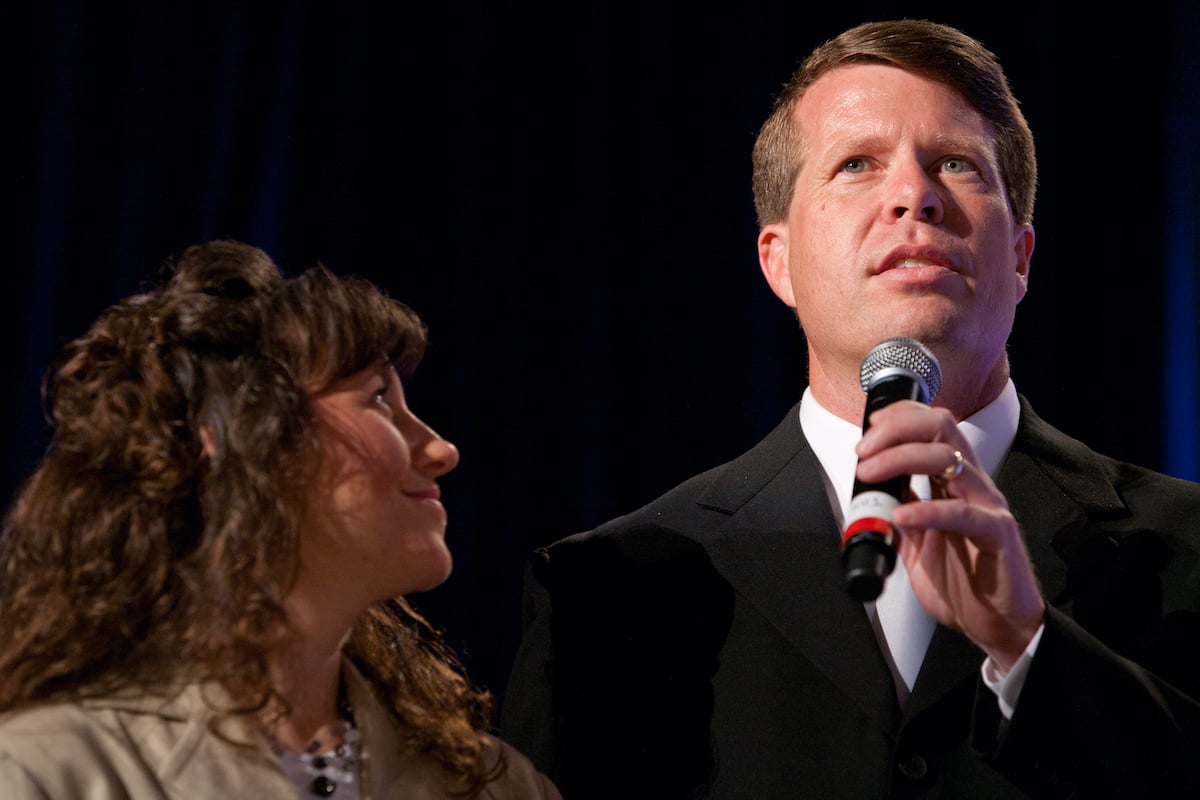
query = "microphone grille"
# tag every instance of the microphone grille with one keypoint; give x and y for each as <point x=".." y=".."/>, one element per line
<point x="902" y="353"/>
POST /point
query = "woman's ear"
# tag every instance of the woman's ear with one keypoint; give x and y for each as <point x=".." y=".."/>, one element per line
<point x="208" y="443"/>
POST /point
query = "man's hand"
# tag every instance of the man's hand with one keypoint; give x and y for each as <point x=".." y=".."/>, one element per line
<point x="963" y="549"/>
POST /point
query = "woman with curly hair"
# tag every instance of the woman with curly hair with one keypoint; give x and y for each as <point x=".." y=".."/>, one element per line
<point x="201" y="584"/>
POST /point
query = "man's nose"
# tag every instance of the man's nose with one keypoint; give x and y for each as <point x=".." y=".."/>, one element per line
<point x="915" y="193"/>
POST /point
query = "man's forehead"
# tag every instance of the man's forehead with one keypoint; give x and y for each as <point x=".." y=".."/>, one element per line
<point x="867" y="99"/>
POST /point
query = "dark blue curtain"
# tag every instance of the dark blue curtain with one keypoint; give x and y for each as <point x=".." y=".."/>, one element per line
<point x="562" y="191"/>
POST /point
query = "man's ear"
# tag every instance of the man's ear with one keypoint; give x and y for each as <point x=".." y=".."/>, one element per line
<point x="1023" y="249"/>
<point x="773" y="258"/>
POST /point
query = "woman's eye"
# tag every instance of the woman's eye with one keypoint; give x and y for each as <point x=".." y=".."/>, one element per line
<point x="380" y="398"/>
<point x="957" y="165"/>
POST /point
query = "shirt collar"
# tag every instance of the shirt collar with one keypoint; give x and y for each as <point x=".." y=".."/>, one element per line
<point x="990" y="432"/>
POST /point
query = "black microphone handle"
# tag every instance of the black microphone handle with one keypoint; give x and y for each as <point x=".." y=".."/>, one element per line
<point x="868" y="543"/>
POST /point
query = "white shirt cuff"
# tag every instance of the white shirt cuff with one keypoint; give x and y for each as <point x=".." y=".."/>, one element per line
<point x="1007" y="687"/>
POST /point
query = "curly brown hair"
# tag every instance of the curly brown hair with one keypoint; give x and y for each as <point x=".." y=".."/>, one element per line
<point x="934" y="51"/>
<point x="157" y="539"/>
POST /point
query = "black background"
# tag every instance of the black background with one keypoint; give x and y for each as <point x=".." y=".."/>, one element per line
<point x="562" y="190"/>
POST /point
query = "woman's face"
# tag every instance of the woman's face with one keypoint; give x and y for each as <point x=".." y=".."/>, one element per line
<point x="375" y="525"/>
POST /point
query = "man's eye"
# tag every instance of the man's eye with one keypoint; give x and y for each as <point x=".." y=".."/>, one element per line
<point x="957" y="165"/>
<point x="855" y="166"/>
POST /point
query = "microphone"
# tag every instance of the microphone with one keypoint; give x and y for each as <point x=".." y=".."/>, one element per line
<point x="896" y="369"/>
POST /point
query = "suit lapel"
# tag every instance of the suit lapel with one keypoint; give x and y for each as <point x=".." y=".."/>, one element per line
<point x="1055" y="487"/>
<point x="780" y="551"/>
<point x="950" y="661"/>
<point x="1052" y="483"/>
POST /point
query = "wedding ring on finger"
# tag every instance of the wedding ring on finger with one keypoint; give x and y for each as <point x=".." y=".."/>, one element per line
<point x="950" y="472"/>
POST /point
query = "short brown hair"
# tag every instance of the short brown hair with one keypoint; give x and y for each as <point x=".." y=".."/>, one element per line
<point x="934" y="51"/>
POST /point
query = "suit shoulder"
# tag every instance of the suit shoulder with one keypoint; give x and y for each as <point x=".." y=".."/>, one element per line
<point x="712" y="496"/>
<point x="1153" y="497"/>
<point x="1087" y="475"/>
<point x="1135" y="480"/>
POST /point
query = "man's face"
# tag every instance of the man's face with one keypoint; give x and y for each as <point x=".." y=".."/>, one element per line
<point x="899" y="224"/>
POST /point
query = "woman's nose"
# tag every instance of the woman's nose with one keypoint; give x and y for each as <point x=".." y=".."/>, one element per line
<point x="435" y="456"/>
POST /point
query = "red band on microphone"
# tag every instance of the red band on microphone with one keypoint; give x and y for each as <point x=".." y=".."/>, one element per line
<point x="869" y="525"/>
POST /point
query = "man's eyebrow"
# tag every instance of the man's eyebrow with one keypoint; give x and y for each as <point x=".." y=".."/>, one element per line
<point x="985" y="145"/>
<point x="852" y="143"/>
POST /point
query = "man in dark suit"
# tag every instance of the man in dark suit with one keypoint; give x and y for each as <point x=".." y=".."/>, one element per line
<point x="1041" y="631"/>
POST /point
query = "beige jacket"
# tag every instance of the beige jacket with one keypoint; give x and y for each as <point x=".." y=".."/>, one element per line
<point x="148" y="747"/>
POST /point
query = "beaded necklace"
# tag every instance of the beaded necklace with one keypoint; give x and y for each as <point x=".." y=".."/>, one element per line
<point x="332" y="773"/>
<point x="324" y="772"/>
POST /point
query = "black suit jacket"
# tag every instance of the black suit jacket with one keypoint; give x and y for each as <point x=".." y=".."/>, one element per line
<point x="704" y="646"/>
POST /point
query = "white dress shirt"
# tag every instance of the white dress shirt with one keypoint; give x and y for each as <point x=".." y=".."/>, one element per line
<point x="903" y="626"/>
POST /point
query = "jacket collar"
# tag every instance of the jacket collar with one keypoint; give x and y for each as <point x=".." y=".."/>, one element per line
<point x="780" y="550"/>
<point x="186" y="755"/>
<point x="1060" y="492"/>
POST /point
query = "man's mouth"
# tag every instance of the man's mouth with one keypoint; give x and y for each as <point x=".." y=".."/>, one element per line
<point x="909" y="263"/>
